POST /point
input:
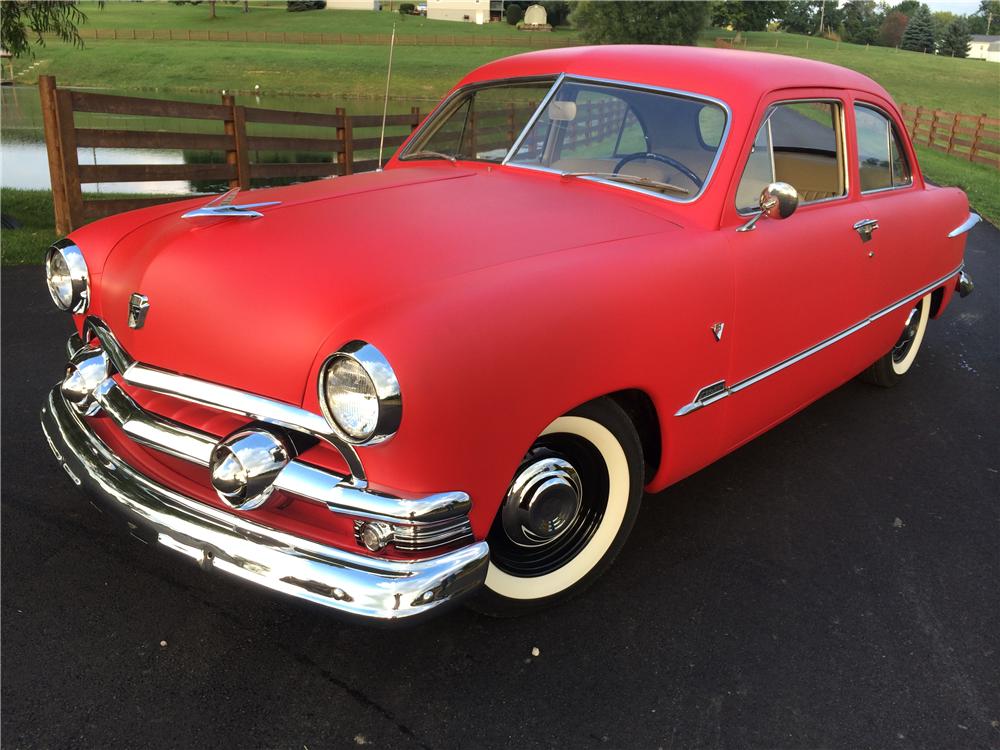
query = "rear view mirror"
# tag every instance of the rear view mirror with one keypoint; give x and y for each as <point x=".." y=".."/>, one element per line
<point x="562" y="111"/>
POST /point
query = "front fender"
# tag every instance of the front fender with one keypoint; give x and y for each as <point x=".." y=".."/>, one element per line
<point x="487" y="359"/>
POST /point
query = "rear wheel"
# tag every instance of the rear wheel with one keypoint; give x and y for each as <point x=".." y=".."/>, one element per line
<point x="568" y="510"/>
<point x="891" y="367"/>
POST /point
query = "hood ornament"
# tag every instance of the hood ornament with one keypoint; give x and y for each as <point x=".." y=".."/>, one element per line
<point x="223" y="205"/>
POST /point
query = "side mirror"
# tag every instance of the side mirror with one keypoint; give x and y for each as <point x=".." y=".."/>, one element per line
<point x="777" y="201"/>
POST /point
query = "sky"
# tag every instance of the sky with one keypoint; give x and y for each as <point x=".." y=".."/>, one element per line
<point x="959" y="7"/>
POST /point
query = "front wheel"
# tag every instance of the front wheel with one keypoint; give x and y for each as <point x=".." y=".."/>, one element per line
<point x="890" y="368"/>
<point x="568" y="510"/>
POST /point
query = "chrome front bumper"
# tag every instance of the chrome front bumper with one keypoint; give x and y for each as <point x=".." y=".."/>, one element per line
<point x="359" y="587"/>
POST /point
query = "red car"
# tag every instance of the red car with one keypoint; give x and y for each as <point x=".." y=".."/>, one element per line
<point x="588" y="274"/>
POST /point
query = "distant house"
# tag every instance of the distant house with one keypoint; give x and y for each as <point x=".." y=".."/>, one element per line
<point x="352" y="4"/>
<point x="470" y="11"/>
<point x="984" y="47"/>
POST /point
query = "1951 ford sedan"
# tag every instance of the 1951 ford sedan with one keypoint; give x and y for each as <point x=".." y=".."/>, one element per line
<point x="589" y="273"/>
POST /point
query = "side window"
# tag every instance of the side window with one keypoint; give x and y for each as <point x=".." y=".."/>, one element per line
<point x="881" y="161"/>
<point x="800" y="143"/>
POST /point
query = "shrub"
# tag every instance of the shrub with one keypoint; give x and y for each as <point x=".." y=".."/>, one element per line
<point x="514" y="14"/>
<point x="296" y="6"/>
<point x="407" y="9"/>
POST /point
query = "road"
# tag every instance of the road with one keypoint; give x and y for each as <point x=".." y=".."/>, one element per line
<point x="832" y="584"/>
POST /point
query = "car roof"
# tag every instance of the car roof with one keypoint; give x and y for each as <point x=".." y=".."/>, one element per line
<point x="736" y="77"/>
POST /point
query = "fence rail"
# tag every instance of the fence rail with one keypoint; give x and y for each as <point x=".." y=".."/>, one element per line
<point x="975" y="138"/>
<point x="526" y="39"/>
<point x="233" y="141"/>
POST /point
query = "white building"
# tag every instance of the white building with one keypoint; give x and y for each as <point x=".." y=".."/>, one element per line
<point x="984" y="47"/>
<point x="352" y="4"/>
<point x="470" y="11"/>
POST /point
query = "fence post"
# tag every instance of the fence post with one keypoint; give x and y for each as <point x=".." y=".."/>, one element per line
<point x="47" y="93"/>
<point x="951" y="133"/>
<point x="68" y="158"/>
<point x="916" y="121"/>
<point x="345" y="134"/>
<point x="415" y="111"/>
<point x="229" y="126"/>
<point x="974" y="148"/>
<point x="242" y="151"/>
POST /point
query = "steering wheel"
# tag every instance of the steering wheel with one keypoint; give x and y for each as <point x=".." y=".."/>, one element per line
<point x="670" y="161"/>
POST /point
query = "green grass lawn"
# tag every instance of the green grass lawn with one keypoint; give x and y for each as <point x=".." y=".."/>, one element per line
<point x="272" y="16"/>
<point x="33" y="208"/>
<point x="970" y="86"/>
<point x="323" y="70"/>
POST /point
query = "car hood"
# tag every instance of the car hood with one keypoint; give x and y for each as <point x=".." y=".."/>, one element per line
<point x="248" y="302"/>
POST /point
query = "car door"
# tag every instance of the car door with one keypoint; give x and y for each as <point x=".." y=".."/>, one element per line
<point x="801" y="282"/>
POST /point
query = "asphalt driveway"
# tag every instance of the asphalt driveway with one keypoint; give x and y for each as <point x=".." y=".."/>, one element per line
<point x="832" y="584"/>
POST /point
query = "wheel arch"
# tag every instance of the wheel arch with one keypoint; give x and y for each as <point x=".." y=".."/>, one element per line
<point x="641" y="411"/>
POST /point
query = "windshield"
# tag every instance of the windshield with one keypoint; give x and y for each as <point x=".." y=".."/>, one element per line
<point x="655" y="141"/>
<point x="480" y="124"/>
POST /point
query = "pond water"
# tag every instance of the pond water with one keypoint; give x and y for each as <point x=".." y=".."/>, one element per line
<point x="24" y="162"/>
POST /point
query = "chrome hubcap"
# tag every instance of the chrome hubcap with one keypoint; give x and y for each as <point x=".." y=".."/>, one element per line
<point x="542" y="502"/>
<point x="909" y="335"/>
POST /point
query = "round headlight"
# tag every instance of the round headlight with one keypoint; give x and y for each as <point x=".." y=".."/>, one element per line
<point x="359" y="394"/>
<point x="67" y="277"/>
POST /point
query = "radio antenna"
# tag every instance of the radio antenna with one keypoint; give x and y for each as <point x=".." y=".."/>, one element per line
<point x="385" y="105"/>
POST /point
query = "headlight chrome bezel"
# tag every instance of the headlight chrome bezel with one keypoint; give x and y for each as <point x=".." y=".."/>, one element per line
<point x="79" y="276"/>
<point x="386" y="386"/>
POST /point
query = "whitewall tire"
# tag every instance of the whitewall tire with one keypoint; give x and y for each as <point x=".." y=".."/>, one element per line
<point x="889" y="369"/>
<point x="568" y="511"/>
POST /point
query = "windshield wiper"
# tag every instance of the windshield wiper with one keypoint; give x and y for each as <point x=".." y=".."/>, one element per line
<point x="631" y="180"/>
<point x="429" y="155"/>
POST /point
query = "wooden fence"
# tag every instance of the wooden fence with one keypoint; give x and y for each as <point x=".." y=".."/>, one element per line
<point x="526" y="39"/>
<point x="975" y="138"/>
<point x="63" y="139"/>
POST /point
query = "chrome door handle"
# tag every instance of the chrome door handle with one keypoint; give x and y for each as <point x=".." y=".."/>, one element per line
<point x="865" y="227"/>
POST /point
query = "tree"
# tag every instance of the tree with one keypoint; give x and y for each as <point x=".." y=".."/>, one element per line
<point x="919" y="34"/>
<point x="942" y="19"/>
<point x="907" y="7"/>
<point x="955" y="41"/>
<point x="747" y="16"/>
<point x="19" y="21"/>
<point x="557" y="13"/>
<point x="987" y="19"/>
<point x="890" y="33"/>
<point x="861" y="22"/>
<point x="830" y="16"/>
<point x="799" y="17"/>
<point x="514" y="13"/>
<point x="640" y="22"/>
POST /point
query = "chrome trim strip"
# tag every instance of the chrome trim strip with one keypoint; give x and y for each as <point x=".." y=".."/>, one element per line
<point x="966" y="225"/>
<point x="322" y="487"/>
<point x="696" y="404"/>
<point x="306" y="481"/>
<point x="152" y="430"/>
<point x="357" y="587"/>
<point x="222" y="397"/>
<point x="723" y="140"/>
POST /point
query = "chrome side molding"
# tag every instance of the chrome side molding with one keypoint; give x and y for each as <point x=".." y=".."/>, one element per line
<point x="966" y="225"/>
<point x="710" y="394"/>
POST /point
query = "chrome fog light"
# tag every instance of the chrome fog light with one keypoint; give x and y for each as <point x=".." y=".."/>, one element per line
<point x="67" y="277"/>
<point x="84" y="373"/>
<point x="245" y="465"/>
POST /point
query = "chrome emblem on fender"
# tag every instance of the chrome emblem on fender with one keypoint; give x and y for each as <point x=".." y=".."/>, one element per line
<point x="717" y="330"/>
<point x="138" y="306"/>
